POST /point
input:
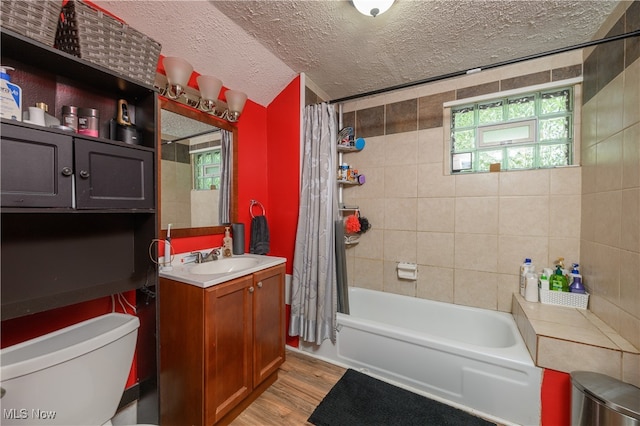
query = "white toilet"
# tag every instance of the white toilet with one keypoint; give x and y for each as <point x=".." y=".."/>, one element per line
<point x="73" y="376"/>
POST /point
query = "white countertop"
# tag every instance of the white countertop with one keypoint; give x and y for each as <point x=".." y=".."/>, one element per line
<point x="181" y="271"/>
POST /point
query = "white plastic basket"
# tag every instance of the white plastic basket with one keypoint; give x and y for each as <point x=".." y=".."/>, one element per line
<point x="563" y="298"/>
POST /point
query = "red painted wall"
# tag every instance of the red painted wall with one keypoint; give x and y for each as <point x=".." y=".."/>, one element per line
<point x="555" y="398"/>
<point x="283" y="116"/>
<point x="283" y="173"/>
<point x="253" y="159"/>
<point x="21" y="329"/>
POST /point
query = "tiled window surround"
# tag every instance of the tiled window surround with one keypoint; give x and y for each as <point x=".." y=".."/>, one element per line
<point x="426" y="112"/>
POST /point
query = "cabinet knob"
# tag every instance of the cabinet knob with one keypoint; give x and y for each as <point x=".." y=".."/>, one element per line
<point x="84" y="174"/>
<point x="251" y="289"/>
<point x="66" y="171"/>
<point x="260" y="284"/>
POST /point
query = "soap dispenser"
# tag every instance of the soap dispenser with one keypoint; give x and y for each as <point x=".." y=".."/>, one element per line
<point x="576" y="281"/>
<point x="558" y="281"/>
<point x="227" y="244"/>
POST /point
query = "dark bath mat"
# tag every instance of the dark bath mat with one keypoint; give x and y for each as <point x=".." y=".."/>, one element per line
<point x="358" y="399"/>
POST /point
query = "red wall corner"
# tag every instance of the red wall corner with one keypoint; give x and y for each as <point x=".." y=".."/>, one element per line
<point x="555" y="398"/>
<point x="283" y="173"/>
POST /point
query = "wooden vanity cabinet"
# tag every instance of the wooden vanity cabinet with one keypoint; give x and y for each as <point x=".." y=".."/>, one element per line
<point x="220" y="347"/>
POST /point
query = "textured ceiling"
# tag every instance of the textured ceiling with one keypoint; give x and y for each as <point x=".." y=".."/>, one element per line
<point x="259" y="46"/>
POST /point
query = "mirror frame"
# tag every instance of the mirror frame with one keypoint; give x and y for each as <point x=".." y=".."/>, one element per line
<point x="195" y="114"/>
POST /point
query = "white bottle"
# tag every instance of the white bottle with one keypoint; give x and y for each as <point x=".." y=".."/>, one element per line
<point x="166" y="266"/>
<point x="531" y="289"/>
<point x="544" y="279"/>
<point x="10" y="97"/>
<point x="525" y="268"/>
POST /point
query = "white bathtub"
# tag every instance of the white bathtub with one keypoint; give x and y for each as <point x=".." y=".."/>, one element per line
<point x="472" y="358"/>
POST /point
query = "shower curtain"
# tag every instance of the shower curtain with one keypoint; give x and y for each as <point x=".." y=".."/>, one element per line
<point x="313" y="294"/>
<point x="226" y="160"/>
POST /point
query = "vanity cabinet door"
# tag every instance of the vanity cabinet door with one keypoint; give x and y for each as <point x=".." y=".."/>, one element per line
<point x="111" y="176"/>
<point x="268" y="322"/>
<point x="228" y="343"/>
<point x="36" y="167"/>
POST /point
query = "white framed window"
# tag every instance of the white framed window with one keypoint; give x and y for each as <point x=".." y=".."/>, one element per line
<point x="517" y="131"/>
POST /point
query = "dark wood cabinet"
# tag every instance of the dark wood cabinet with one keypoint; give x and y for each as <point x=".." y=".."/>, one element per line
<point x="36" y="168"/>
<point x="78" y="212"/>
<point x="220" y="347"/>
<point x="109" y="176"/>
<point x="42" y="168"/>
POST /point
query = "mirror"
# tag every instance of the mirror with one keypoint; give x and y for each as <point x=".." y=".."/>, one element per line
<point x="188" y="179"/>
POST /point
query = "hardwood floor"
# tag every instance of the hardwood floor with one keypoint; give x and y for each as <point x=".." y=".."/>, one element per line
<point x="302" y="383"/>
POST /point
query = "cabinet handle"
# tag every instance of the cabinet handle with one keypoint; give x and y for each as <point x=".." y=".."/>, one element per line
<point x="251" y="289"/>
<point x="260" y="284"/>
<point x="66" y="171"/>
<point x="84" y="174"/>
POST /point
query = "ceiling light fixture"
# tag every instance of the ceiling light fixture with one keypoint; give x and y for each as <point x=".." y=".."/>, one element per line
<point x="372" y="7"/>
<point x="178" y="72"/>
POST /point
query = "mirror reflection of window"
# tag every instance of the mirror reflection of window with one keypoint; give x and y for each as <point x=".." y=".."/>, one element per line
<point x="191" y="172"/>
<point x="207" y="169"/>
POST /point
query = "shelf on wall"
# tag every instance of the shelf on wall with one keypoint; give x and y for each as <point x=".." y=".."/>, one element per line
<point x="57" y="62"/>
<point x="347" y="148"/>
<point x="351" y="239"/>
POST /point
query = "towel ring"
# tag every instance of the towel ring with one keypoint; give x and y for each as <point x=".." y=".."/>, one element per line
<point x="256" y="203"/>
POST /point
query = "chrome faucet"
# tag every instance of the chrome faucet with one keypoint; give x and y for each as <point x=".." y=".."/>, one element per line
<point x="208" y="257"/>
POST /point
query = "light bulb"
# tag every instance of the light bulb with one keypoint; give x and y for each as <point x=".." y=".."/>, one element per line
<point x="372" y="7"/>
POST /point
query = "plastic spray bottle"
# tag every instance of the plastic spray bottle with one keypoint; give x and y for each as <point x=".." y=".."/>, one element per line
<point x="576" y="280"/>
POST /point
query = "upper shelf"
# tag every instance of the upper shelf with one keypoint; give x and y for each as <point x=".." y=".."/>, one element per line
<point x="38" y="55"/>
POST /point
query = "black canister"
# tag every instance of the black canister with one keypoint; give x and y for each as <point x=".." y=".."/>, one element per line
<point x="238" y="237"/>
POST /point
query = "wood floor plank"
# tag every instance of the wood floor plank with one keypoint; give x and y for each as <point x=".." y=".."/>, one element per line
<point x="303" y="382"/>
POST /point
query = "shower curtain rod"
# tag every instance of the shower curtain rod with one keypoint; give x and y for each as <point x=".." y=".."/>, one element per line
<point x="635" y="33"/>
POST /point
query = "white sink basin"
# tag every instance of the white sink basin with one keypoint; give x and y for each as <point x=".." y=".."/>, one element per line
<point x="224" y="266"/>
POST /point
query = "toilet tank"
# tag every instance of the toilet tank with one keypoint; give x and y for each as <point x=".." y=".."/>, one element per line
<point x="73" y="376"/>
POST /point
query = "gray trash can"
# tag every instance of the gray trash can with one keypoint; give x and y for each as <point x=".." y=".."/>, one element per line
<point x="597" y="399"/>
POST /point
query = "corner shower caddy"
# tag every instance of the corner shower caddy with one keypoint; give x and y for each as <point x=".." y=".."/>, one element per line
<point x="349" y="239"/>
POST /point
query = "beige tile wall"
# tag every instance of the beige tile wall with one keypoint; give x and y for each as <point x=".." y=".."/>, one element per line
<point x="175" y="197"/>
<point x="468" y="234"/>
<point x="611" y="192"/>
